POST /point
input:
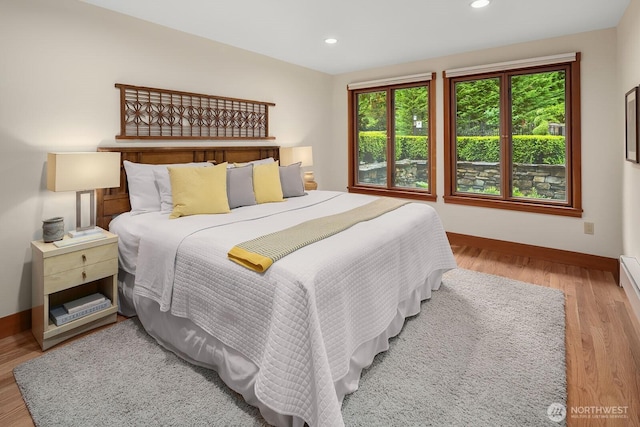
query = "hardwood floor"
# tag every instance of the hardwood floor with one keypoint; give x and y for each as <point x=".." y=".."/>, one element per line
<point x="602" y="334"/>
<point x="602" y="339"/>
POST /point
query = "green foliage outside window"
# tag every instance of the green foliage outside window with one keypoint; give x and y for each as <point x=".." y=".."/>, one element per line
<point x="537" y="97"/>
<point x="372" y="147"/>
<point x="409" y="103"/>
<point x="527" y="149"/>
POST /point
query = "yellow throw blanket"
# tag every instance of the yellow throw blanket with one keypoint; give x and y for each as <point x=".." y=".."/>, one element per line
<point x="258" y="254"/>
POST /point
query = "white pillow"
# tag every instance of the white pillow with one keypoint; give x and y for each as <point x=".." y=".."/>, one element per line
<point x="255" y="162"/>
<point x="144" y="195"/>
<point x="163" y="181"/>
<point x="262" y="161"/>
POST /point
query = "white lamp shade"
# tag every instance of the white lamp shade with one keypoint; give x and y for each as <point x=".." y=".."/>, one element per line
<point x="291" y="155"/>
<point x="82" y="171"/>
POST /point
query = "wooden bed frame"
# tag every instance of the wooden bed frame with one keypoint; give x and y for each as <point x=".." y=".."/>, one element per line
<point x="114" y="201"/>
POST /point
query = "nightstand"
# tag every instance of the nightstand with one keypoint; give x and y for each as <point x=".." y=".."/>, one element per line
<point x="60" y="275"/>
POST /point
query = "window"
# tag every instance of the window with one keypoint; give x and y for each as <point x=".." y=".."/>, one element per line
<point x="391" y="129"/>
<point x="512" y="135"/>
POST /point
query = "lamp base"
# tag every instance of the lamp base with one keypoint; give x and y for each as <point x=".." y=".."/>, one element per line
<point x="309" y="183"/>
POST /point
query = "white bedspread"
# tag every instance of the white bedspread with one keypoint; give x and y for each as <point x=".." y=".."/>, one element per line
<point x="301" y="321"/>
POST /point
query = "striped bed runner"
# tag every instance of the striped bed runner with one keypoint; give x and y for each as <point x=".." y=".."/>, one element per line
<point x="258" y="254"/>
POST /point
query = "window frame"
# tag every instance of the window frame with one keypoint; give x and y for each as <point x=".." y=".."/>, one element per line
<point x="391" y="191"/>
<point x="572" y="206"/>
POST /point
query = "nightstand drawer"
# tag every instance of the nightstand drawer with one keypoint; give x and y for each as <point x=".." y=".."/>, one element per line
<point x="77" y="276"/>
<point x="78" y="259"/>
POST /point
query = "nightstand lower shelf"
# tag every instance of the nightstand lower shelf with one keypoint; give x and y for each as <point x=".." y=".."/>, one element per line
<point x="57" y="334"/>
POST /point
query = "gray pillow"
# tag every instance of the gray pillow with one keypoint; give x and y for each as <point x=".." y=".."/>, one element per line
<point x="291" y="181"/>
<point x="240" y="186"/>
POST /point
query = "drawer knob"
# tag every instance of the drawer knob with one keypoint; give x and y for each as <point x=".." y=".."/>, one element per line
<point x="84" y="275"/>
<point x="84" y="258"/>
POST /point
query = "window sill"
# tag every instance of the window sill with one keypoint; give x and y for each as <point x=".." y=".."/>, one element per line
<point x="522" y="206"/>
<point x="387" y="192"/>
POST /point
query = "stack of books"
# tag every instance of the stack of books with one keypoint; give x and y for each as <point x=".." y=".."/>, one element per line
<point x="78" y="308"/>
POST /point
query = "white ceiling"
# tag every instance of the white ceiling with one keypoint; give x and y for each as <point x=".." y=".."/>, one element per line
<point x="371" y="33"/>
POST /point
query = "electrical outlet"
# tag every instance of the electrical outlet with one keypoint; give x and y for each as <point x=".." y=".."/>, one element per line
<point x="588" y="228"/>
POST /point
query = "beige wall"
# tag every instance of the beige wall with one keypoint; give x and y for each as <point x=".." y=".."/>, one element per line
<point x="601" y="152"/>
<point x="59" y="61"/>
<point x="629" y="76"/>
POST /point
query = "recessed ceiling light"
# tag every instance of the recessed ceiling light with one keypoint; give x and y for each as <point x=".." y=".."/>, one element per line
<point x="331" y="41"/>
<point x="480" y="3"/>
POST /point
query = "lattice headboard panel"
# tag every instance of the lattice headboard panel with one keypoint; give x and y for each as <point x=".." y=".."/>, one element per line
<point x="149" y="113"/>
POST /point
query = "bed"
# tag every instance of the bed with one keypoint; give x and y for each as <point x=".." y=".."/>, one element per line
<point x="292" y="340"/>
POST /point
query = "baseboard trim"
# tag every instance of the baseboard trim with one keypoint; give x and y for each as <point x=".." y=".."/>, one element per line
<point x="546" y="254"/>
<point x="15" y="323"/>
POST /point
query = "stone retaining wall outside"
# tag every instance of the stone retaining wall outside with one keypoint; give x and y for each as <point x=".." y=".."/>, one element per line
<point x="408" y="172"/>
<point x="549" y="181"/>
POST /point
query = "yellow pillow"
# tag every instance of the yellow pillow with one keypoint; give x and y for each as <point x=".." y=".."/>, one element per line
<point x="266" y="183"/>
<point x="198" y="190"/>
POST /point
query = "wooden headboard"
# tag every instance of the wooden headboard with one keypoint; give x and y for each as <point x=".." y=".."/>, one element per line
<point x="114" y="201"/>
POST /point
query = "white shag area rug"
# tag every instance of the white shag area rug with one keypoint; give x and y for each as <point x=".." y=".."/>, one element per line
<point x="484" y="351"/>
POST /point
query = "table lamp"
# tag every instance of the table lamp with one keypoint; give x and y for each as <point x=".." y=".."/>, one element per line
<point x="290" y="155"/>
<point x="83" y="172"/>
